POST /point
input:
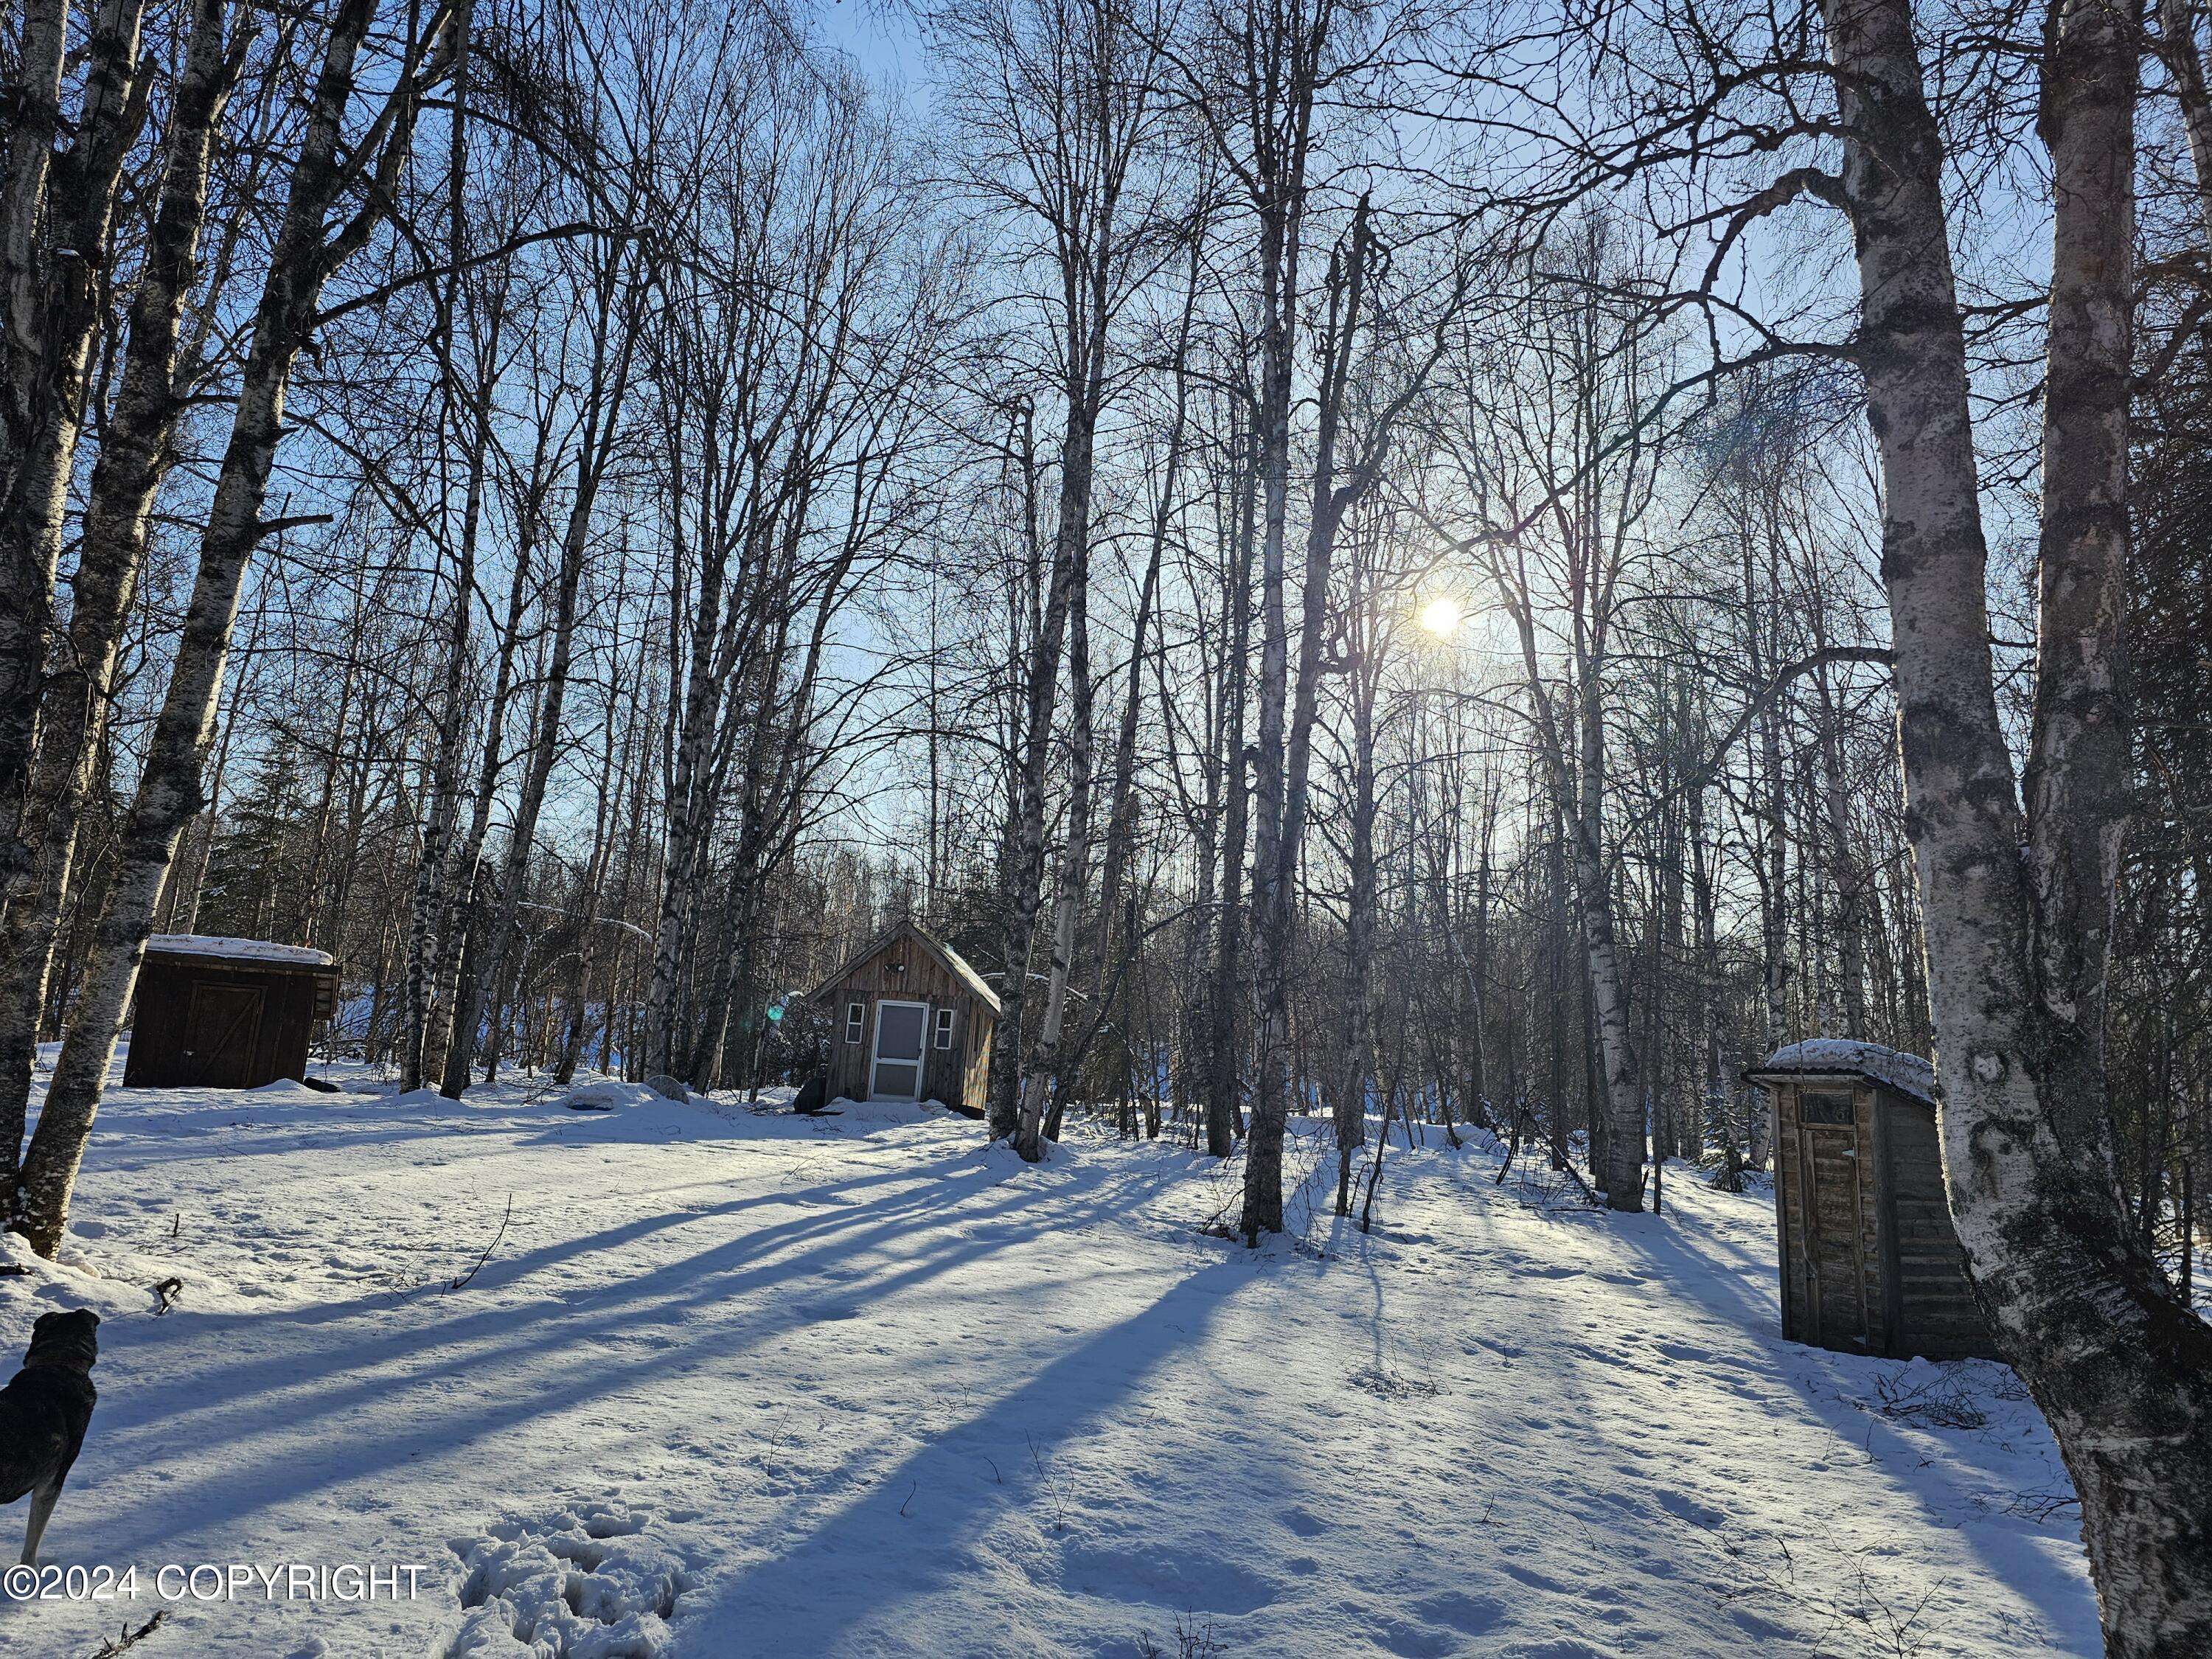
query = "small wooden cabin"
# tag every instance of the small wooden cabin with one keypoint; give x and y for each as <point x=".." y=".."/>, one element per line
<point x="1870" y="1261"/>
<point x="909" y="1020"/>
<point x="226" y="1013"/>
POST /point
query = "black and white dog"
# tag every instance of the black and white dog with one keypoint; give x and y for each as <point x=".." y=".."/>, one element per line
<point x="44" y="1414"/>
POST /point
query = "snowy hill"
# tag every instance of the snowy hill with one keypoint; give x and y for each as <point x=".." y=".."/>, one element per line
<point x="727" y="1383"/>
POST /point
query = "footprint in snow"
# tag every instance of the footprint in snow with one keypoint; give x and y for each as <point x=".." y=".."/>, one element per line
<point x="1303" y="1521"/>
<point x="1683" y="1507"/>
<point x="586" y="1583"/>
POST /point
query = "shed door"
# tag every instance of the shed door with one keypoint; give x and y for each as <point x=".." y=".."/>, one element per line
<point x="222" y="1028"/>
<point x="896" y="1072"/>
<point x="1828" y="1158"/>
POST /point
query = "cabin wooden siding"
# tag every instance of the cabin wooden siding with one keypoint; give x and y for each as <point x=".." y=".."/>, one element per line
<point x="907" y="970"/>
<point x="204" y="1022"/>
<point x="1869" y="1261"/>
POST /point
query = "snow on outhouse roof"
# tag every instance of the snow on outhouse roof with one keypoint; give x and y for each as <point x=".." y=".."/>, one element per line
<point x="240" y="950"/>
<point x="1908" y="1074"/>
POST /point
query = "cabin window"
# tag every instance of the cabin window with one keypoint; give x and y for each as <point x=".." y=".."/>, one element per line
<point x="1825" y="1108"/>
<point x="945" y="1028"/>
<point x="856" y="1020"/>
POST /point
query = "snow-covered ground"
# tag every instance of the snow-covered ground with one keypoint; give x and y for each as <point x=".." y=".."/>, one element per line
<point x="734" y="1384"/>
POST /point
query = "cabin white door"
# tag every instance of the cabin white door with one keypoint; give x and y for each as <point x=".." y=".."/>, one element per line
<point x="894" y="1066"/>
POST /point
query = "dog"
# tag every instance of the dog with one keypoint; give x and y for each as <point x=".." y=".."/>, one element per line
<point x="44" y="1412"/>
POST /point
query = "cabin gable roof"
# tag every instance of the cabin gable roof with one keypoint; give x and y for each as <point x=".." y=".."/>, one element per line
<point x="946" y="957"/>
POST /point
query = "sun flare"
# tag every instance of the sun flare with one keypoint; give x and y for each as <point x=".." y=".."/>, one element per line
<point x="1442" y="617"/>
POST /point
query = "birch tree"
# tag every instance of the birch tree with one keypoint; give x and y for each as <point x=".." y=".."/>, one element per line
<point x="310" y="248"/>
<point x="2015" y="867"/>
<point x="1062" y="100"/>
<point x="1558" y="456"/>
<point x="133" y="454"/>
<point x="56" y="218"/>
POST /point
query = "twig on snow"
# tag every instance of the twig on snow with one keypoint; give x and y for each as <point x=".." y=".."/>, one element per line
<point x="130" y="1638"/>
<point x="461" y="1282"/>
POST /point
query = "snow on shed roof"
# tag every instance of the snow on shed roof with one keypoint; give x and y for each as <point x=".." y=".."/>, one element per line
<point x="239" y="950"/>
<point x="1909" y="1074"/>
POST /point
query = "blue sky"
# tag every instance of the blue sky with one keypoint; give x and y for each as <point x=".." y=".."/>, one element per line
<point x="879" y="35"/>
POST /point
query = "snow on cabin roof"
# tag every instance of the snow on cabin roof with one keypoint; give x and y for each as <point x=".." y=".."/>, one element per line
<point x="1909" y="1074"/>
<point x="239" y="950"/>
<point x="955" y="964"/>
<point x="961" y="971"/>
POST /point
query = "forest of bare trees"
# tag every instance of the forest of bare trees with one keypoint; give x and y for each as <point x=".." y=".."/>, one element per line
<point x="1372" y="564"/>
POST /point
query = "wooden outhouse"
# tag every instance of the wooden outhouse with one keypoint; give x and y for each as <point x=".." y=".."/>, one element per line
<point x="226" y="1013"/>
<point x="1870" y="1261"/>
<point x="909" y="1020"/>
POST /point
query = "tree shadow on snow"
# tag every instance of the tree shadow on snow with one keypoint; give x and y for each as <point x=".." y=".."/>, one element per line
<point x="261" y="1421"/>
<point x="911" y="1532"/>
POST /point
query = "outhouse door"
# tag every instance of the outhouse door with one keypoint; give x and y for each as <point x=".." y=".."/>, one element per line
<point x="222" y="1026"/>
<point x="1828" y="1164"/>
<point x="895" y="1070"/>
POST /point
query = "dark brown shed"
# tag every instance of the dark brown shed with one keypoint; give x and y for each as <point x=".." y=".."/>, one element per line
<point x="226" y="1013"/>
<point x="1870" y="1261"/>
<point x="909" y="1020"/>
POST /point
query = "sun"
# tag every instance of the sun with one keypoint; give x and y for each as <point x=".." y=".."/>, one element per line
<point x="1442" y="617"/>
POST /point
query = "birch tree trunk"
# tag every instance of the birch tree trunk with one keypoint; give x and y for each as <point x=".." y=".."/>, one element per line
<point x="610" y="383"/>
<point x="304" y="255"/>
<point x="460" y="892"/>
<point x="693" y="719"/>
<point x="1608" y="988"/>
<point x="118" y="509"/>
<point x="1282" y="51"/>
<point x="1271" y="898"/>
<point x="444" y="888"/>
<point x="1765" y="653"/>
<point x="1709" y="1024"/>
<point x="1039" y="1074"/>
<point x="1224" y="1081"/>
<point x="1342" y="477"/>
<point x="1121" y="803"/>
<point x="2177" y="44"/>
<point x="1286" y="711"/>
<point x="1560" y="931"/>
<point x="1092" y="79"/>
<point x="522" y="836"/>
<point x="614" y="771"/>
<point x="1008" y="1100"/>
<point x="55" y="306"/>
<point x="433" y="949"/>
<point x="1578" y="784"/>
<point x="26" y="586"/>
<point x="1843" y="861"/>
<point x="2016" y="913"/>
<point x="1355" y="1058"/>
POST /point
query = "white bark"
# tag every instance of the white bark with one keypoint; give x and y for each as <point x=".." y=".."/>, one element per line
<point x="53" y="309"/>
<point x="2015" y="904"/>
<point x="169" y="793"/>
<point x="118" y="509"/>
